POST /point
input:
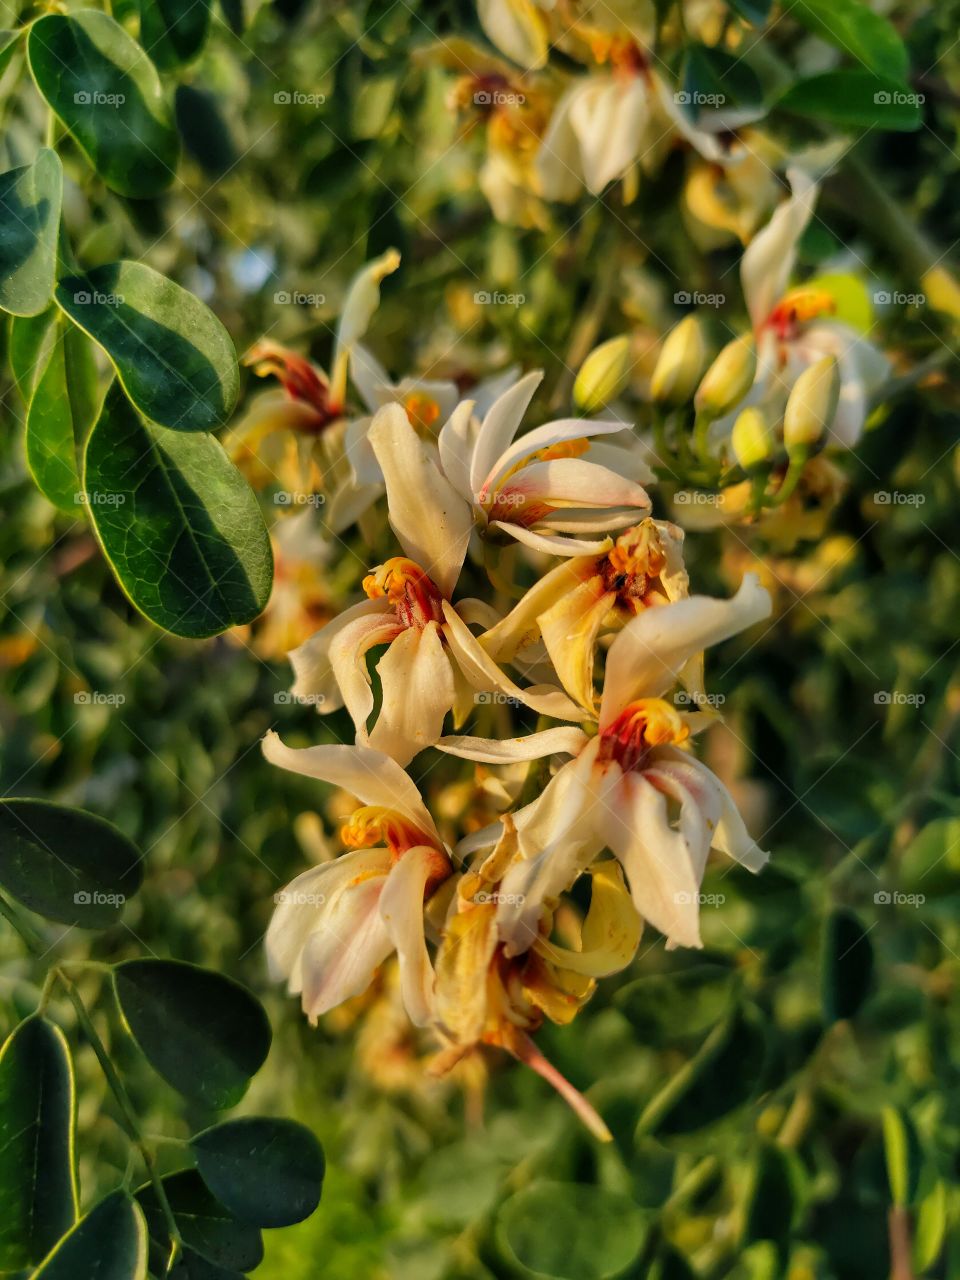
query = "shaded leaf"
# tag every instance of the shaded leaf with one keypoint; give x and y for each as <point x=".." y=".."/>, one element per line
<point x="30" y="200"/>
<point x="847" y="967"/>
<point x="570" y="1231"/>
<point x="109" y="1243"/>
<point x="204" y="130"/>
<point x="174" y="31"/>
<point x="269" y="1172"/>
<point x="854" y="99"/>
<point x="62" y="410"/>
<point x="209" y="1228"/>
<point x="680" y="1006"/>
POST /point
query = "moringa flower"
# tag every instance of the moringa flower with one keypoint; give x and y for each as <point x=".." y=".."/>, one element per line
<point x="633" y="787"/>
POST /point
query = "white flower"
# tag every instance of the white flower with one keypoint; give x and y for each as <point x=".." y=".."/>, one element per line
<point x="623" y="785"/>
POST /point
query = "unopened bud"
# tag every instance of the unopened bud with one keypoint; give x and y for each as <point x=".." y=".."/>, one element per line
<point x="753" y="439"/>
<point x="728" y="379"/>
<point x="603" y="375"/>
<point x="812" y="404"/>
<point x="680" y="363"/>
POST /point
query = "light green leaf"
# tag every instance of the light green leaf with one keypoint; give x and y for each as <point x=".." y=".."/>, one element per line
<point x="173" y="31"/>
<point x="62" y="410"/>
<point x="30" y="200"/>
<point x="106" y="91"/>
<point x="177" y="521"/>
<point x="205" y="1034"/>
<point x="268" y="1172"/>
<point x="38" y="1190"/>
<point x="855" y="29"/>
<point x="901" y="1149"/>
<point x="109" y="1243"/>
<point x="854" y="100"/>
<point x="31" y="339"/>
<point x="561" y="1231"/>
<point x="173" y="357"/>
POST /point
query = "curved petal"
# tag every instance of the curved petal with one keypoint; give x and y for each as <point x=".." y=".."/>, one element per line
<point x="348" y="661"/>
<point x="646" y="657"/>
<point x="499" y="426"/>
<point x="544" y="437"/>
<point x="769" y="259"/>
<point x="369" y="775"/>
<point x="456" y="446"/>
<point x="730" y="835"/>
<point x="313" y="674"/>
<point x="570" y="482"/>
<point x="362" y="300"/>
<point x="520" y="626"/>
<point x="558" y="165"/>
<point x="368" y="375"/>
<point x="609" y="117"/>
<point x="359" y="454"/>
<point x="418" y="691"/>
<point x="341" y="958"/>
<point x="517" y="28"/>
<point x="611" y="931"/>
<point x="431" y="520"/>
<point x="554" y="544"/>
<point x="569" y="630"/>
<point x="563" y="740"/>
<point x="401" y="909"/>
<point x="348" y="503"/>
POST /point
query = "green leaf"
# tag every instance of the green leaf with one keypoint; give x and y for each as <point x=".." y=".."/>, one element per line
<point x="66" y="864"/>
<point x="901" y="1149"/>
<point x="30" y="200"/>
<point x="206" y="1226"/>
<point x="847" y="967"/>
<point x="8" y="46"/>
<point x="714" y="80"/>
<point x="204" y="131"/>
<point x="564" y="1231"/>
<point x="31" y="339"/>
<point x="772" y="1198"/>
<point x="854" y="99"/>
<point x="930" y="865"/>
<point x="756" y="12"/>
<point x="173" y="357"/>
<point x="174" y="31"/>
<point x="192" y="1266"/>
<point x="665" y="1008"/>
<point x="106" y="91"/>
<point x="62" y="410"/>
<point x="725" y="1073"/>
<point x="203" y="1033"/>
<point x="855" y="29"/>
<point x="930" y="1228"/>
<point x="109" y="1243"/>
<point x="177" y="521"/>
<point x="269" y="1172"/>
<point x="38" y="1190"/>
<point x="233" y="13"/>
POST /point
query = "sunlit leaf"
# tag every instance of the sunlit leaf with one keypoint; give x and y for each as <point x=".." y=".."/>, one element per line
<point x="30" y="199"/>
<point x="109" y="1243"/>
<point x="856" y="30"/>
<point x="62" y="410"/>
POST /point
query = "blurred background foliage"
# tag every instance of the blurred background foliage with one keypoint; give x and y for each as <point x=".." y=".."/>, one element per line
<point x="784" y="1103"/>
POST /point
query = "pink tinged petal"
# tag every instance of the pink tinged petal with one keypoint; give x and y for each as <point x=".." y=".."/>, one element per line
<point x="730" y="835"/>
<point x="609" y="117"/>
<point x="558" y="165"/>
<point x="563" y="740"/>
<point x="554" y="544"/>
<point x="341" y="957"/>
<point x="500" y="425"/>
<point x="431" y="520"/>
<point x="647" y="656"/>
<point x="313" y="673"/>
<point x="455" y="444"/>
<point x="662" y="869"/>
<point x="545" y="437"/>
<point x="401" y="909"/>
<point x="348" y="659"/>
<point x="369" y="775"/>
<point x="570" y="482"/>
<point x="570" y="630"/>
<point x="520" y="627"/>
<point x="485" y="676"/>
<point x="770" y="257"/>
<point x="418" y="691"/>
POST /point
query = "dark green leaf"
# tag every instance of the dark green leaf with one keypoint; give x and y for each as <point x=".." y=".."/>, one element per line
<point x="714" y="80"/>
<point x="192" y="1266"/>
<point x="30" y="200"/>
<point x="233" y="12"/>
<point x="669" y="1007"/>
<point x="205" y="1034"/>
<point x="205" y="1224"/>
<point x="107" y="93"/>
<point x="173" y="356"/>
<point x="855" y="29"/>
<point x="756" y="12"/>
<point x="772" y="1196"/>
<point x="109" y="1243"/>
<point x="204" y="131"/>
<point x="269" y="1172"/>
<point x="62" y="410"/>
<point x="177" y="521"/>
<point x="173" y="31"/>
<point x="854" y="99"/>
<point x="66" y="864"/>
<point x="570" y="1231"/>
<point x="38" y="1191"/>
<point x="847" y="971"/>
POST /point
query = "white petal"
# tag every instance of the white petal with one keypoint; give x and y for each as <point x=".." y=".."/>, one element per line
<point x="609" y="117"/>
<point x="348" y="503"/>
<point x="369" y="775"/>
<point x="563" y="740"/>
<point x="730" y="836"/>
<point x="544" y="437"/>
<point x="646" y="657"/>
<point x="418" y="691"/>
<point x="456" y="445"/>
<point x="431" y="520"/>
<point x="558" y="164"/>
<point x="554" y="544"/>
<point x="769" y="259"/>
<point x="517" y="28"/>
<point x="500" y="426"/>
<point x="572" y="482"/>
<point x="342" y="956"/>
<point x="313" y="673"/>
<point x="363" y="298"/>
<point x="401" y="909"/>
<point x="368" y="374"/>
<point x="348" y="661"/>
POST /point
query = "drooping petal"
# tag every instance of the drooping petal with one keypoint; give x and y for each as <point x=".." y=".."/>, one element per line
<point x="551" y="433"/>
<point x="609" y="117"/>
<point x="418" y="691"/>
<point x="610" y="933"/>
<point x="499" y="427"/>
<point x="313" y="673"/>
<point x="570" y="482"/>
<point x="563" y="740"/>
<point x="569" y="630"/>
<point x="520" y="626"/>
<point x="553" y="544"/>
<point x="769" y="259"/>
<point x="730" y="835"/>
<point x="401" y="909"/>
<point x="371" y="776"/>
<point x="348" y="660"/>
<point x="463" y="961"/>
<point x="431" y="520"/>
<point x="646" y="657"/>
<point x="363" y="298"/>
<point x="341" y="958"/>
<point x="558" y="164"/>
<point x="456" y="446"/>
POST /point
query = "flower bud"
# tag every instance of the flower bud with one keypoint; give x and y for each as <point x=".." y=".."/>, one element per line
<point x="603" y="375"/>
<point x="812" y="404"/>
<point x="728" y="379"/>
<point x="680" y="363"/>
<point x="753" y="439"/>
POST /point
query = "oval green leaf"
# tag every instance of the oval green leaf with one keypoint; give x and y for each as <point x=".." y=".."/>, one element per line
<point x="174" y="31"/>
<point x="109" y="1243"/>
<point x="564" y="1231"/>
<point x="854" y="100"/>
<point x="66" y="864"/>
<point x="106" y="91"/>
<point x="205" y="134"/>
<point x="177" y="521"/>
<point x="847" y="968"/>
<point x="903" y="1155"/>
<point x="205" y="1034"/>
<point x="172" y="355"/>
<point x="62" y="409"/>
<point x="38" y="1190"/>
<point x="268" y="1172"/>
<point x="855" y="29"/>
<point x="30" y="200"/>
<point x="207" y="1226"/>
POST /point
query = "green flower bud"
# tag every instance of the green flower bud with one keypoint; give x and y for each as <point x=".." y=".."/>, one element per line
<point x="728" y="379"/>
<point x="812" y="404"/>
<point x="680" y="363"/>
<point x="753" y="440"/>
<point x="603" y="375"/>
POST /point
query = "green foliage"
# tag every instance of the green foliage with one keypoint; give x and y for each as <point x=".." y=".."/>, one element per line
<point x="30" y="200"/>
<point x="268" y="1172"/>
<point x="109" y="1243"/>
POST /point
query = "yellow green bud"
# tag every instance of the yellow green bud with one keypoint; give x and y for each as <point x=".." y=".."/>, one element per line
<point x="753" y="440"/>
<point x="603" y="375"/>
<point x="728" y="379"/>
<point x="680" y="363"/>
<point x="812" y="404"/>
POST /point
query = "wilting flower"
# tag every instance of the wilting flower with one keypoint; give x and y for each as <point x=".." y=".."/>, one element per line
<point x="433" y="663"/>
<point x="729" y="194"/>
<point x="549" y="487"/>
<point x="335" y="924"/>
<point x="634" y="787"/>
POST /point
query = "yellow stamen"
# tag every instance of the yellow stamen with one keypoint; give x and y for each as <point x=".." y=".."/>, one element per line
<point x="422" y="411"/>
<point x="564" y="449"/>
<point x="374" y="824"/>
<point x="799" y="307"/>
<point x="639" y="550"/>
